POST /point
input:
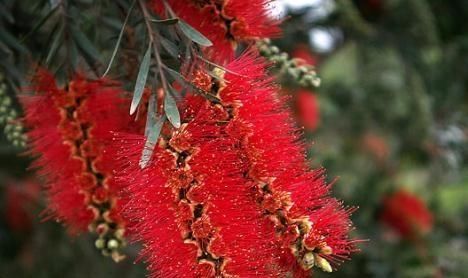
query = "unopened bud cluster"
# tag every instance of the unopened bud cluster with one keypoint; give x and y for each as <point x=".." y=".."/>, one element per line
<point x="13" y="129"/>
<point x="293" y="69"/>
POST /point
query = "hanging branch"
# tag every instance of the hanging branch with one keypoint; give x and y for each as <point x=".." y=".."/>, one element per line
<point x="291" y="68"/>
<point x="167" y="98"/>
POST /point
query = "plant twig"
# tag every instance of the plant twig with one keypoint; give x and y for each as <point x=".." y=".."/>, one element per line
<point x="154" y="37"/>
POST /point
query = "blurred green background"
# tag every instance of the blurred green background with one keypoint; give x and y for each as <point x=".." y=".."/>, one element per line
<point x="390" y="116"/>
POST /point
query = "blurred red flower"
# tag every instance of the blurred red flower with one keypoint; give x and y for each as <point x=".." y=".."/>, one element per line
<point x="303" y="52"/>
<point x="308" y="109"/>
<point x="376" y="145"/>
<point x="407" y="214"/>
<point x="21" y="199"/>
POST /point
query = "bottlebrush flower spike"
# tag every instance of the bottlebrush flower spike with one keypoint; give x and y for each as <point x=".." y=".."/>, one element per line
<point x="70" y="132"/>
<point x="279" y="168"/>
<point x="308" y="109"/>
<point x="224" y="22"/>
<point x="304" y="53"/>
<point x="230" y="194"/>
<point x="21" y="198"/>
<point x="407" y="214"/>
<point x="192" y="207"/>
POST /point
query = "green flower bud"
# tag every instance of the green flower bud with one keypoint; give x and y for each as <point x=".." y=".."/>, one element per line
<point x="113" y="244"/>
<point x="100" y="243"/>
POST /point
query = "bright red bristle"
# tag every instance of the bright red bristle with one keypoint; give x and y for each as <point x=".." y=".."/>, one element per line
<point x="70" y="131"/>
<point x="279" y="167"/>
<point x="225" y="23"/>
<point x="234" y="183"/>
<point x="207" y="203"/>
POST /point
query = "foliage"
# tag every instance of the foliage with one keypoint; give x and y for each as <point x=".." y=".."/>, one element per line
<point x="392" y="107"/>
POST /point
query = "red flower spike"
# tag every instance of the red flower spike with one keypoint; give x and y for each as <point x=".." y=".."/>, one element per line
<point x="308" y="109"/>
<point x="305" y="55"/>
<point x="407" y="214"/>
<point x="230" y="194"/>
<point x="278" y="164"/>
<point x="70" y="132"/>
<point x="21" y="198"/>
<point x="212" y="226"/>
<point x="377" y="146"/>
<point x="224" y="22"/>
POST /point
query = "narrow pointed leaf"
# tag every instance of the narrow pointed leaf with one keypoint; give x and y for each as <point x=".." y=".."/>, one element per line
<point x="141" y="80"/>
<point x="85" y="44"/>
<point x="117" y="44"/>
<point x="178" y="77"/>
<point x="73" y="54"/>
<point x="151" y="140"/>
<point x="170" y="108"/>
<point x="54" y="46"/>
<point x="193" y="34"/>
<point x="11" y="41"/>
<point x="54" y="3"/>
<point x="111" y="22"/>
<point x="151" y="114"/>
<point x="5" y="13"/>
<point x="4" y="47"/>
<point x="175" y="75"/>
<point x="169" y="21"/>
<point x="39" y="24"/>
<point x="170" y="47"/>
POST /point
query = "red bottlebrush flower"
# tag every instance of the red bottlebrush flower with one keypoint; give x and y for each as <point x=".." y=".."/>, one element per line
<point x="308" y="109"/>
<point x="21" y="199"/>
<point x="224" y="22"/>
<point x="230" y="193"/>
<point x="277" y="162"/>
<point x="303" y="53"/>
<point x="377" y="146"/>
<point x="407" y="214"/>
<point x="191" y="206"/>
<point x="70" y="132"/>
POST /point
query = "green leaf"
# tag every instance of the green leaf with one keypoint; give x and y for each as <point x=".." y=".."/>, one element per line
<point x="5" y="13"/>
<point x="11" y="41"/>
<point x="178" y="77"/>
<point x="85" y="44"/>
<point x="117" y="44"/>
<point x="170" y="108"/>
<point x="54" y="46"/>
<point x="151" y="140"/>
<point x="175" y="75"/>
<point x="169" y="21"/>
<point x="151" y="114"/>
<point x="4" y="48"/>
<point x="193" y="34"/>
<point x="54" y="3"/>
<point x="170" y="47"/>
<point x="11" y="70"/>
<point x="111" y="22"/>
<point x="141" y="80"/>
<point x="39" y="24"/>
<point x="73" y="55"/>
<point x="123" y="4"/>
